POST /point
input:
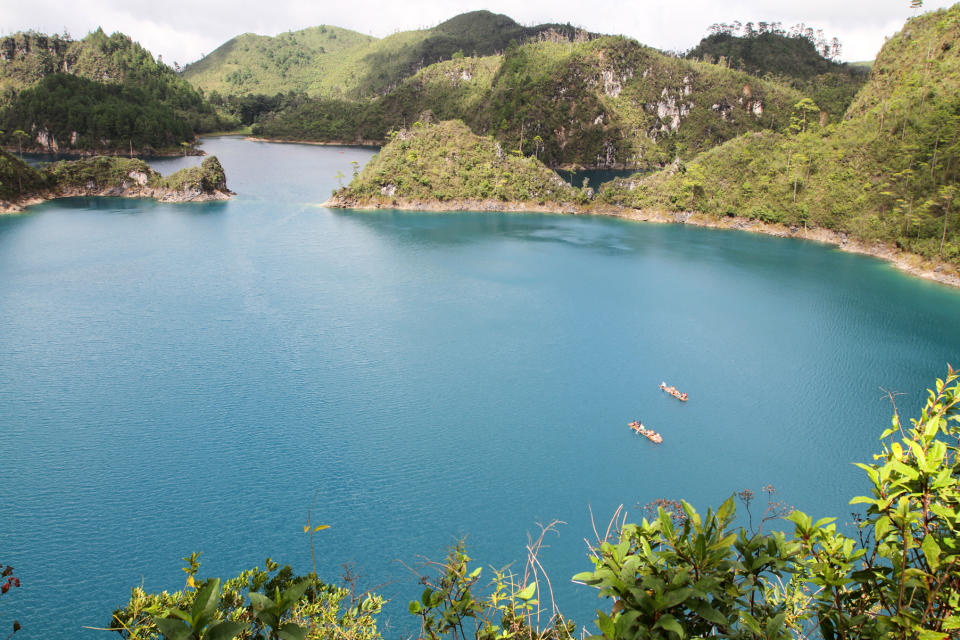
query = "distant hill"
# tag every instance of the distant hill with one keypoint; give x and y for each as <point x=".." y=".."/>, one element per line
<point x="794" y="59"/>
<point x="331" y="62"/>
<point x="125" y="74"/>
<point x="888" y="172"/>
<point x="606" y="102"/>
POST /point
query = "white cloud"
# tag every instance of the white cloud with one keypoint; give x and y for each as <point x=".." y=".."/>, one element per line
<point x="182" y="30"/>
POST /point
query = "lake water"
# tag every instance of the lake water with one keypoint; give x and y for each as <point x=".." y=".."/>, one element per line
<point x="178" y="378"/>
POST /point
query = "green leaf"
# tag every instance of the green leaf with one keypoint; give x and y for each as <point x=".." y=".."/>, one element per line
<point x="291" y="631"/>
<point x="224" y="630"/>
<point x="206" y="602"/>
<point x="668" y="622"/>
<point x="881" y="527"/>
<point x="586" y="577"/>
<point x="775" y="624"/>
<point x="528" y="591"/>
<point x="258" y="601"/>
<point x="931" y="551"/>
<point x="293" y="593"/>
<point x="183" y="615"/>
<point x="475" y="573"/>
<point x="673" y="598"/>
<point x="172" y="629"/>
<point x="415" y="607"/>
<point x="927" y="634"/>
<point x="605" y="623"/>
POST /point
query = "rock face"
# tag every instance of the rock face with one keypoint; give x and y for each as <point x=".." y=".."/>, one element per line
<point x="114" y="177"/>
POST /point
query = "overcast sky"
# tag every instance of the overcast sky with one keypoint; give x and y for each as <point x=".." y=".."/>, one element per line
<point x="183" y="30"/>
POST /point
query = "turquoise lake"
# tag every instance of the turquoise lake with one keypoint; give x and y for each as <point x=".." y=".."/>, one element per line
<point x="178" y="378"/>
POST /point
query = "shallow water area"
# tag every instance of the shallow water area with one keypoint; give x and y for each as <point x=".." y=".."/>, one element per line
<point x="184" y="377"/>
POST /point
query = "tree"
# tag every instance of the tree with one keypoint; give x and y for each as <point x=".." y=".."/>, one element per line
<point x="340" y="176"/>
<point x="20" y="135"/>
<point x="944" y="201"/>
<point x="898" y="579"/>
<point x="801" y="110"/>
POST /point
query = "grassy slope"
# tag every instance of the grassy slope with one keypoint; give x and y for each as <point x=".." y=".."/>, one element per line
<point x="447" y="161"/>
<point x="887" y="172"/>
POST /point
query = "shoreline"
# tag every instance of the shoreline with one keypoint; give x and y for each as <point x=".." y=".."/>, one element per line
<point x="907" y="262"/>
<point x="158" y="194"/>
<point x="319" y="143"/>
<point x="88" y="153"/>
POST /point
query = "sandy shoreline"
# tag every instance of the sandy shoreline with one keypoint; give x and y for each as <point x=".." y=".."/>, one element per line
<point x="907" y="262"/>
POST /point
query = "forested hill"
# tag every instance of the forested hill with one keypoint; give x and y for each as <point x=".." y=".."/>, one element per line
<point x="801" y="58"/>
<point x="115" y="67"/>
<point x="605" y="102"/>
<point x="332" y="62"/>
<point x="888" y="172"/>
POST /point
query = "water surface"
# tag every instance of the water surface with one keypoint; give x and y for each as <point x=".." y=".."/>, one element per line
<point x="183" y="377"/>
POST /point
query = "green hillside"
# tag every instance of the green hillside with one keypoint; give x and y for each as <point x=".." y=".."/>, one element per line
<point x="65" y="112"/>
<point x="446" y="161"/>
<point x="606" y="102"/>
<point x="793" y="59"/>
<point x="144" y="99"/>
<point x="330" y="62"/>
<point x="313" y="60"/>
<point x="888" y="172"/>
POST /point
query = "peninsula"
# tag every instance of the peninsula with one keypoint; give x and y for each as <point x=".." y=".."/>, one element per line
<point x="22" y="185"/>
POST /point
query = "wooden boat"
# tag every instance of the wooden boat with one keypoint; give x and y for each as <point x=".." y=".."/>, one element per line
<point x="650" y="434"/>
<point x="672" y="390"/>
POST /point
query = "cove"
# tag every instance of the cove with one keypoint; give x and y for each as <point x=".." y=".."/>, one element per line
<point x="178" y="378"/>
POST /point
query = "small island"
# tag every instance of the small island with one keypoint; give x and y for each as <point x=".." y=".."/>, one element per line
<point x="22" y="185"/>
<point x="447" y="167"/>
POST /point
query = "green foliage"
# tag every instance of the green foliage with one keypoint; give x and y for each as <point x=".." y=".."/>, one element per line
<point x="208" y="177"/>
<point x="453" y="601"/>
<point x="100" y="174"/>
<point x="792" y="59"/>
<point x="333" y="63"/>
<point x="143" y="99"/>
<point x="18" y="179"/>
<point x="882" y="174"/>
<point x="446" y="161"/>
<point x="900" y="578"/>
<point x="606" y="102"/>
<point x="281" y="607"/>
<point x="82" y="114"/>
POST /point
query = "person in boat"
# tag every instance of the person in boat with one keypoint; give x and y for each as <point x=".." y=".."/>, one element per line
<point x="683" y="397"/>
